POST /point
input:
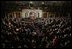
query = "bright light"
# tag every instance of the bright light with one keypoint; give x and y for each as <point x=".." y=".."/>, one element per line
<point x="42" y="2"/>
<point x="31" y="2"/>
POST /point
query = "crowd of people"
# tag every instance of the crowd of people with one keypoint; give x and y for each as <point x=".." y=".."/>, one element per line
<point x="40" y="33"/>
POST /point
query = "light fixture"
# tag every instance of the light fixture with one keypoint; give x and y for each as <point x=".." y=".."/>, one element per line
<point x="42" y="2"/>
<point x="31" y="2"/>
